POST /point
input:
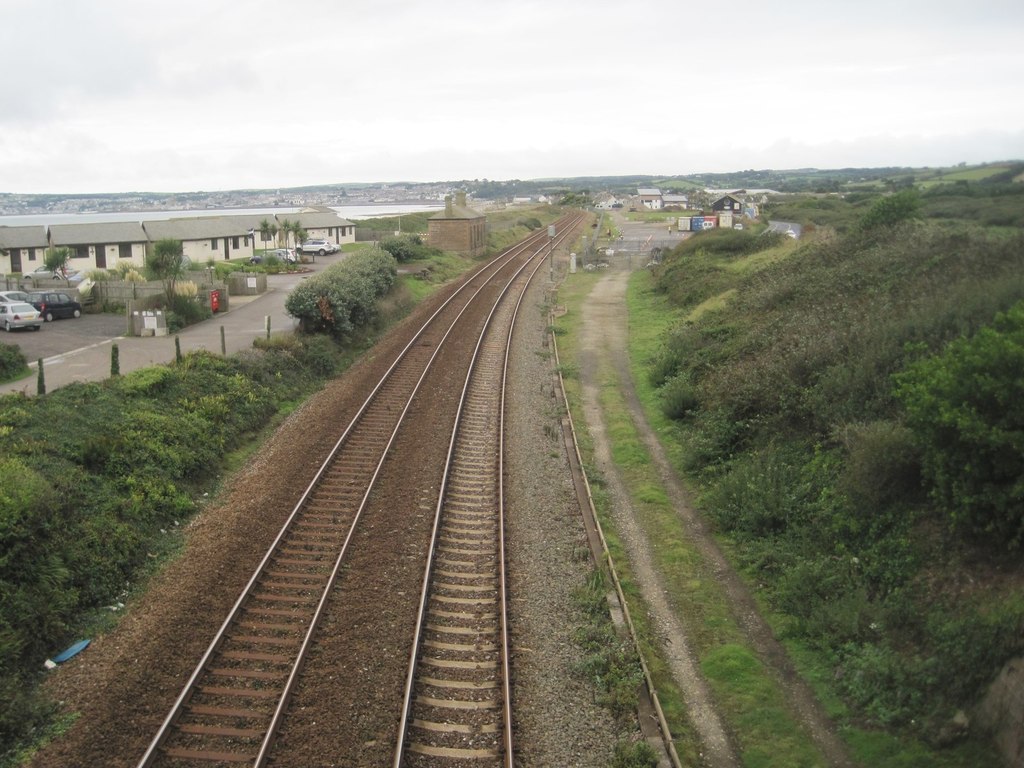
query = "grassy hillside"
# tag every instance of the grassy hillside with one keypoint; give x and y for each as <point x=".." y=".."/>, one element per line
<point x="814" y="407"/>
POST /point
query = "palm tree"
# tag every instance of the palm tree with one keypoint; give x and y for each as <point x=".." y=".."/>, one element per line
<point x="167" y="262"/>
<point x="267" y="231"/>
<point x="56" y="260"/>
<point x="286" y="228"/>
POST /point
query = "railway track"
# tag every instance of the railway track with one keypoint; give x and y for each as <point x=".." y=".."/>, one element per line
<point x="232" y="706"/>
<point x="457" y="703"/>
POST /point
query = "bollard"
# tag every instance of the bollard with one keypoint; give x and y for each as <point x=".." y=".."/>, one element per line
<point x="223" y="343"/>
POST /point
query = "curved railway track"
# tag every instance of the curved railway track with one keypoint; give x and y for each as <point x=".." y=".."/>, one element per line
<point x="232" y="706"/>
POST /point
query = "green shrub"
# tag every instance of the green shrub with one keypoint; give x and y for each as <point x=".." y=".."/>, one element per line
<point x="664" y="366"/>
<point x="319" y="354"/>
<point x="761" y="495"/>
<point x="887" y="686"/>
<point x="679" y="397"/>
<point x="609" y="662"/>
<point x="185" y="311"/>
<point x="409" y="248"/>
<point x="343" y="298"/>
<point x="12" y="361"/>
<point x="531" y="223"/>
<point x="638" y="754"/>
<point x="882" y="464"/>
<point x="967" y="407"/>
<point x="827" y="600"/>
<point x="893" y="209"/>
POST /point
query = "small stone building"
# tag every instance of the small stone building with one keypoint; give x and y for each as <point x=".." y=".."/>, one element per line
<point x="458" y="228"/>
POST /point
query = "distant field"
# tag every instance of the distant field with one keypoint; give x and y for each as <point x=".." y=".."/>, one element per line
<point x="973" y="174"/>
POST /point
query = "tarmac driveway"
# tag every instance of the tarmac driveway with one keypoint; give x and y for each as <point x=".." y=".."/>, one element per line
<point x="62" y="336"/>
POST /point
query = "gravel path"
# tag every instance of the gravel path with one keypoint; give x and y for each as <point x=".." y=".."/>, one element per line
<point x="605" y="362"/>
<point x="602" y="344"/>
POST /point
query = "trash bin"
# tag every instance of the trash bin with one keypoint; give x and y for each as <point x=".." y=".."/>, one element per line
<point x="215" y="301"/>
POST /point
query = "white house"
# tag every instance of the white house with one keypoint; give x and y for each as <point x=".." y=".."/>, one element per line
<point x="324" y="224"/>
<point x="22" y="249"/>
<point x="205" y="238"/>
<point x="650" y="198"/>
<point x="101" y="245"/>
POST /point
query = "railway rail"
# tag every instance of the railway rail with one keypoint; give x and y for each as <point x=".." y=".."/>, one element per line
<point x="232" y="706"/>
<point x="457" y="703"/>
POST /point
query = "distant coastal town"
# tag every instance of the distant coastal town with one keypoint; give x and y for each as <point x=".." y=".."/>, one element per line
<point x="14" y="204"/>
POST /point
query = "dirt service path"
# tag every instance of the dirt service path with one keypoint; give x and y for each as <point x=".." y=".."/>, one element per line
<point x="604" y="361"/>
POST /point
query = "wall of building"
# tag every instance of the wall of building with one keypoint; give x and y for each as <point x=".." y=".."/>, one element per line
<point x="467" y="236"/>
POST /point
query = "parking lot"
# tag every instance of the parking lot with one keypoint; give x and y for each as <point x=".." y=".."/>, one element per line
<point x="62" y="336"/>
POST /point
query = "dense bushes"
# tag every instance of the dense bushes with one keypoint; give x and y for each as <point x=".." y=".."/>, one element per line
<point x="819" y="467"/>
<point x="893" y="209"/>
<point x="409" y="248"/>
<point x="967" y="405"/>
<point x="12" y="361"/>
<point x="185" y="311"/>
<point x="697" y="268"/>
<point x="92" y="476"/>
<point x="343" y="298"/>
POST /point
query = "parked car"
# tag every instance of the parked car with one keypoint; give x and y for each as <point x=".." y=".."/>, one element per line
<point x="319" y="247"/>
<point x="12" y="297"/>
<point x="54" y="304"/>
<point x="19" y="314"/>
<point x="70" y="274"/>
<point x="283" y="254"/>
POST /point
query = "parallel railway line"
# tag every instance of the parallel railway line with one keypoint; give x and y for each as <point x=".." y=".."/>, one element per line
<point x="232" y="706"/>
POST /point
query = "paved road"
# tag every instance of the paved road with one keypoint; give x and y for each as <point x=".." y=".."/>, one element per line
<point x="785" y="227"/>
<point x="79" y="350"/>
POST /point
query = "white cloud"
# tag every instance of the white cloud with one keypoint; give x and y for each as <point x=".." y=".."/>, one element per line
<point x="205" y="94"/>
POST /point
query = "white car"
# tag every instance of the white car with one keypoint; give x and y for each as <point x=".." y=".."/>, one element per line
<point x="20" y="314"/>
<point x="319" y="247"/>
<point x="281" y="254"/>
<point x="13" y="297"/>
<point x="70" y="274"/>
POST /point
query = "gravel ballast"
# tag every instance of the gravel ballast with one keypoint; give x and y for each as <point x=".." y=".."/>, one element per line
<point x="126" y="682"/>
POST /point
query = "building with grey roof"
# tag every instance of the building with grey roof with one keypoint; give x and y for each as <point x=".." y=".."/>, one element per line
<point x="22" y="249"/>
<point x="105" y="245"/>
<point x="101" y="245"/>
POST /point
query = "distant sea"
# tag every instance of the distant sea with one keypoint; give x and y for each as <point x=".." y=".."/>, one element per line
<point x="350" y="212"/>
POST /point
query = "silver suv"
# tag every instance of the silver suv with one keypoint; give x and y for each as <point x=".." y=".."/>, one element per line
<point x="319" y="247"/>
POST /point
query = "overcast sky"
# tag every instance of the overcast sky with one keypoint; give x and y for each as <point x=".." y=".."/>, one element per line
<point x="134" y="95"/>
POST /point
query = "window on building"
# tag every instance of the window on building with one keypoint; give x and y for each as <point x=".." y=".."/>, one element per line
<point x="80" y="252"/>
<point x="124" y="250"/>
<point x="234" y="243"/>
<point x="213" y="244"/>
